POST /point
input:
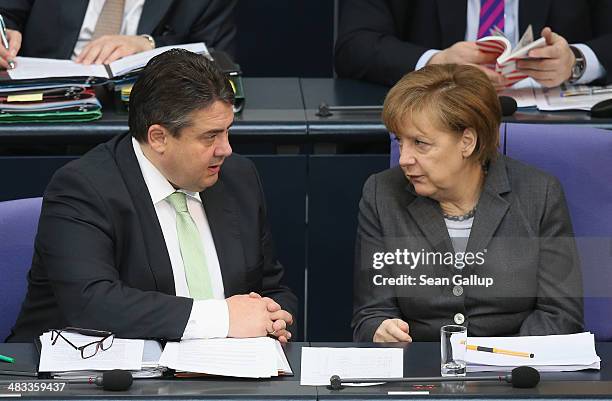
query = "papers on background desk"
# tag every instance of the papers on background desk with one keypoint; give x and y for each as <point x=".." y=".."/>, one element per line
<point x="239" y="357"/>
<point x="556" y="353"/>
<point x="38" y="68"/>
<point x="564" y="97"/>
<point x="320" y="363"/>
<point x="525" y="97"/>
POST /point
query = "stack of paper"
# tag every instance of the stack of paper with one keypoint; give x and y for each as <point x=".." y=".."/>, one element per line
<point x="555" y="353"/>
<point x="62" y="357"/>
<point x="320" y="363"/>
<point x="45" y="90"/>
<point x="149" y="369"/>
<point x="54" y="103"/>
<point x="249" y="357"/>
<point x="239" y="357"/>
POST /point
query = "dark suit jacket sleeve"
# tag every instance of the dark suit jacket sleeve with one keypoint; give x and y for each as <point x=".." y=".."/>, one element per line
<point x="77" y="245"/>
<point x="368" y="45"/>
<point x="601" y="44"/>
<point x="15" y="13"/>
<point x="272" y="269"/>
<point x="558" y="308"/>
<point x="215" y="25"/>
<point x="371" y="304"/>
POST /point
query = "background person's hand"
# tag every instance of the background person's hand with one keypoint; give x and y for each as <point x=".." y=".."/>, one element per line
<point x="554" y="62"/>
<point x="470" y="53"/>
<point x="109" y="48"/>
<point x="248" y="317"/>
<point x="6" y="55"/>
<point x="391" y="331"/>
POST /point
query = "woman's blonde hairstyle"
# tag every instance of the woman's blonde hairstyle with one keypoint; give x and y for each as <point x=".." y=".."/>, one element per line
<point x="456" y="97"/>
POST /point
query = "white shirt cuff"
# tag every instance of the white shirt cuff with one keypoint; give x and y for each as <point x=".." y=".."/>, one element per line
<point x="208" y="319"/>
<point x="594" y="70"/>
<point x="424" y="59"/>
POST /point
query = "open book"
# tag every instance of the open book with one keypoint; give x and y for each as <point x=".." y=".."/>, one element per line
<point x="43" y="68"/>
<point x="506" y="55"/>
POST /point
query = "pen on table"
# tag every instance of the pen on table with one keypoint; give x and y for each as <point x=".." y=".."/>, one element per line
<point x="499" y="351"/>
<point x="7" y="359"/>
<point x="5" y="42"/>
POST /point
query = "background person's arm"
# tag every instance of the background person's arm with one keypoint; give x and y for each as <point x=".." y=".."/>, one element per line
<point x="368" y="45"/>
<point x="601" y="15"/>
<point x="15" y="14"/>
<point x="214" y="25"/>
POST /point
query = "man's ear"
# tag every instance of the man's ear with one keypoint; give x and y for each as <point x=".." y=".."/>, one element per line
<point x="157" y="138"/>
<point x="469" y="138"/>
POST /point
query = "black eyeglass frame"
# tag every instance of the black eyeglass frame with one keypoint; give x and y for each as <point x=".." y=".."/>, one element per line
<point x="88" y="332"/>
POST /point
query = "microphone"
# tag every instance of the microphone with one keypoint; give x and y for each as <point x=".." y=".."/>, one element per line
<point x="112" y="380"/>
<point x="521" y="377"/>
<point x="508" y="105"/>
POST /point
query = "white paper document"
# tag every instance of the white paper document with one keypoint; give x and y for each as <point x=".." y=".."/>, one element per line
<point x="555" y="353"/>
<point x="524" y="97"/>
<point x="320" y="363"/>
<point x="149" y="367"/>
<point x="567" y="97"/>
<point x="62" y="357"/>
<point x="258" y="357"/>
<point x="36" y="68"/>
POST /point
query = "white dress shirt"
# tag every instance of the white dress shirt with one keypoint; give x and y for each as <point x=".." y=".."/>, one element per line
<point x="208" y="318"/>
<point x="593" y="71"/>
<point x="131" y="17"/>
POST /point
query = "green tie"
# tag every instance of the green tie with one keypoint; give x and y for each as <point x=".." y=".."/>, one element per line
<point x="192" y="251"/>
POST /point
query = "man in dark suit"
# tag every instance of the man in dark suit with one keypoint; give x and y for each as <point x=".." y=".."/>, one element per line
<point x="381" y="40"/>
<point x="160" y="232"/>
<point x="70" y="29"/>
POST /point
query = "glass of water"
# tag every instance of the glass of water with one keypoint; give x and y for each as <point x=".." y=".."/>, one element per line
<point x="453" y="346"/>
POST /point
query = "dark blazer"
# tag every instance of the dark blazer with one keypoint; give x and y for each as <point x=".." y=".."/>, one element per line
<point x="50" y="28"/>
<point x="523" y="223"/>
<point x="100" y="260"/>
<point x="381" y="40"/>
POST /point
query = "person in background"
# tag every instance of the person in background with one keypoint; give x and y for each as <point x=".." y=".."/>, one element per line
<point x="494" y="236"/>
<point x="102" y="31"/>
<point x="381" y="40"/>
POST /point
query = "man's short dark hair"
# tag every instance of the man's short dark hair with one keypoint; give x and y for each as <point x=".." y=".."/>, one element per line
<point x="172" y="86"/>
